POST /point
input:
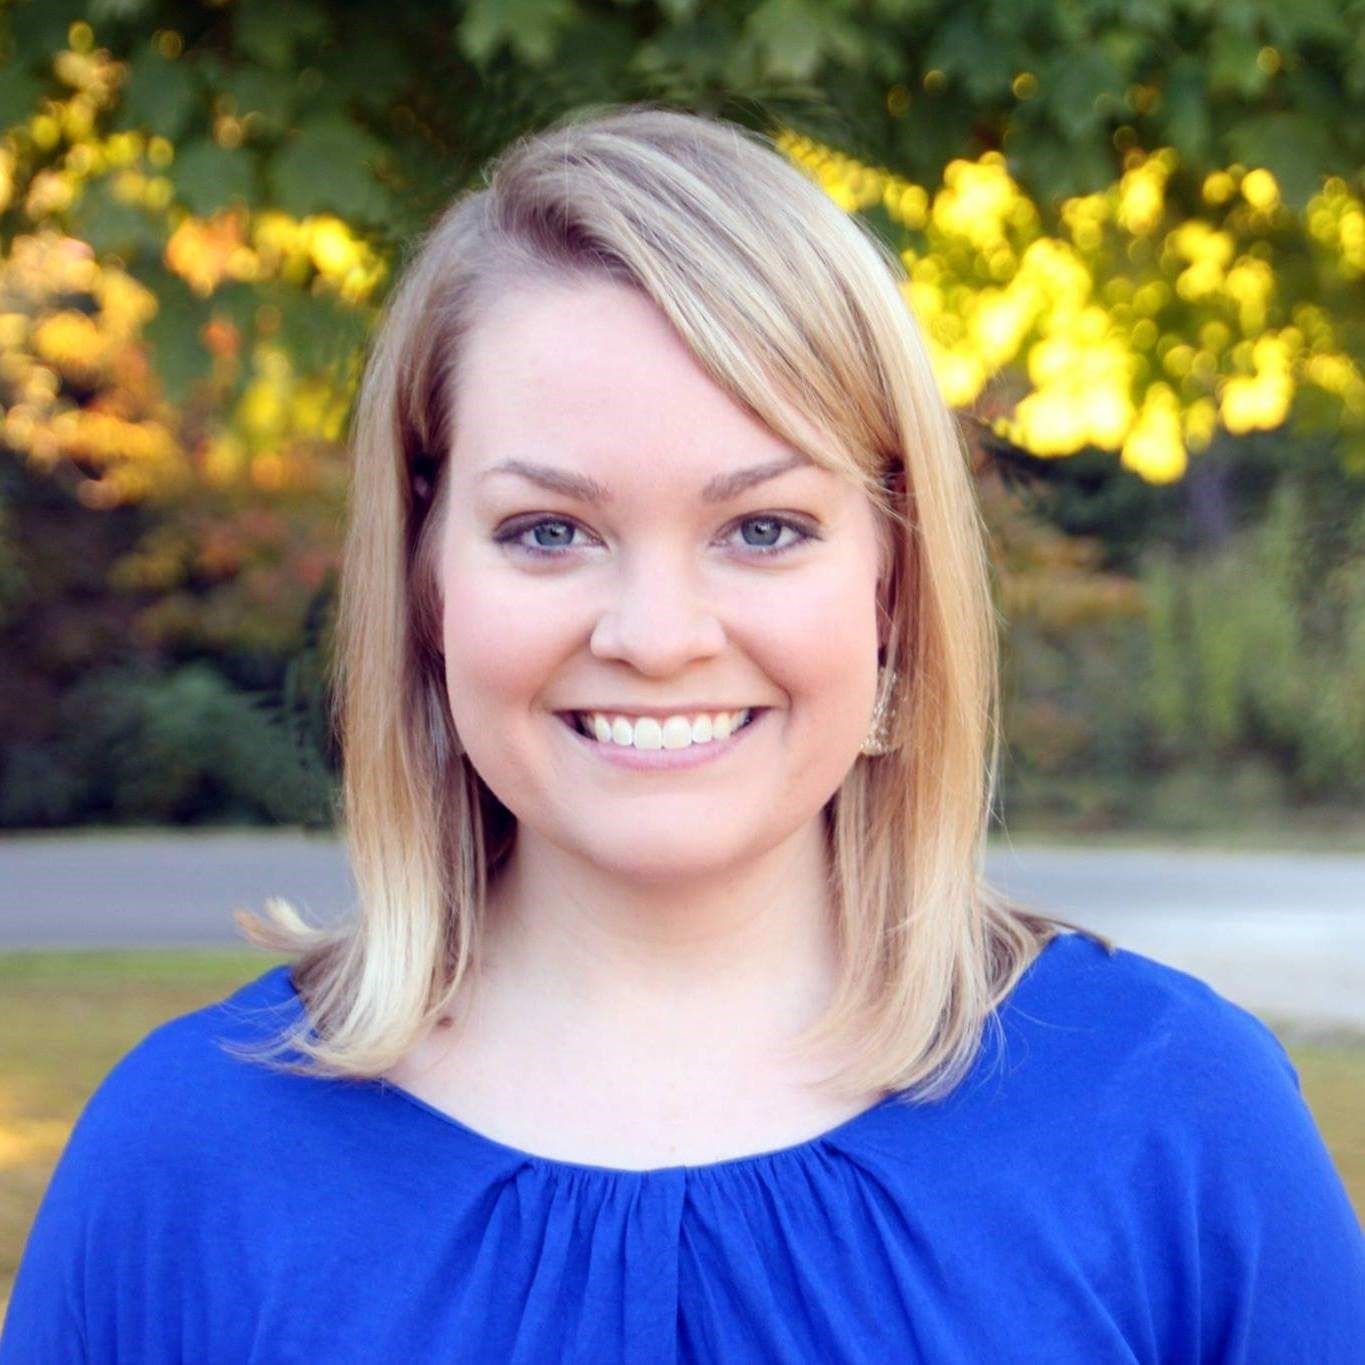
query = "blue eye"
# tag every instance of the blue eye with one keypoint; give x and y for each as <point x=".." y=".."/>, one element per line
<point x="781" y="523"/>
<point x="511" y="536"/>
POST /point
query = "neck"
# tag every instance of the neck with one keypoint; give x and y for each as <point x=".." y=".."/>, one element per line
<point x="747" y="955"/>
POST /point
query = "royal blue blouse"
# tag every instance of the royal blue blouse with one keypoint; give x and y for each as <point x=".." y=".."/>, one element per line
<point x="1129" y="1173"/>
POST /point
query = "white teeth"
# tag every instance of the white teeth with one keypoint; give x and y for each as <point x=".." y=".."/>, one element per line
<point x="675" y="732"/>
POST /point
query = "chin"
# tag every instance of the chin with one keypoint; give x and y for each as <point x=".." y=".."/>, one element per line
<point x="648" y="854"/>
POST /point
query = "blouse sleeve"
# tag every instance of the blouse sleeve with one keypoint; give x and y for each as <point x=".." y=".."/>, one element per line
<point x="81" y="1293"/>
<point x="1281" y="1252"/>
<point x="45" y="1320"/>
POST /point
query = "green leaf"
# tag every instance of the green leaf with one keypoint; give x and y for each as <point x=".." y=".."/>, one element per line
<point x="239" y="302"/>
<point x="20" y="92"/>
<point x="1353" y="78"/>
<point x="1073" y="87"/>
<point x="158" y="95"/>
<point x="318" y="331"/>
<point x="902" y="9"/>
<point x="930" y="138"/>
<point x="1233" y="69"/>
<point x="1352" y="447"/>
<point x="173" y="333"/>
<point x="794" y="37"/>
<point x="1310" y="90"/>
<point x="1239" y="17"/>
<point x="208" y="177"/>
<point x="1144" y="16"/>
<point x="1055" y="169"/>
<point x="532" y="28"/>
<point x="372" y="67"/>
<point x="117" y="11"/>
<point x="38" y="28"/>
<point x="1185" y="111"/>
<point x="1322" y="21"/>
<point x="109" y="225"/>
<point x="271" y="33"/>
<point x="689" y="57"/>
<point x="326" y="166"/>
<point x="595" y="53"/>
<point x="1295" y="149"/>
<point x="962" y="49"/>
<point x="1125" y="48"/>
<point x="256" y="90"/>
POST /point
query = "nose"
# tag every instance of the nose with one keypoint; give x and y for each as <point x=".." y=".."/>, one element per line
<point x="658" y="620"/>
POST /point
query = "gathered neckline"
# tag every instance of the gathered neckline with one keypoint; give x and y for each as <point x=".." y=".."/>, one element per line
<point x="564" y="1166"/>
<point x="385" y="1088"/>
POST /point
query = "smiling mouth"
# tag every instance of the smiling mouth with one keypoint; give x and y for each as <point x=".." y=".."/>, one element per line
<point x="651" y="733"/>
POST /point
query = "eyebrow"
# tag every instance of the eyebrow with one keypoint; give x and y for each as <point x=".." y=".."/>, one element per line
<point x="717" y="489"/>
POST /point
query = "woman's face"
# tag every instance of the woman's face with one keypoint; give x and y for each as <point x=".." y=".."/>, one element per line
<point x="657" y="596"/>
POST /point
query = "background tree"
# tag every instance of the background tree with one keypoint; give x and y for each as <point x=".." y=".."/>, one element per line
<point x="1134" y="233"/>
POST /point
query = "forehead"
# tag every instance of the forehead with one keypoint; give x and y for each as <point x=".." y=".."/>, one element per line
<point x="592" y="376"/>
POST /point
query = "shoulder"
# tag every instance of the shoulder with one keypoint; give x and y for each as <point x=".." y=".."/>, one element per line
<point x="169" y="1094"/>
<point x="1114" y="1050"/>
<point x="175" y="1116"/>
<point x="1162" y="1072"/>
<point x="1083" y="1005"/>
<point x="1148" y="1075"/>
<point x="250" y="1014"/>
<point x="1122" y="1036"/>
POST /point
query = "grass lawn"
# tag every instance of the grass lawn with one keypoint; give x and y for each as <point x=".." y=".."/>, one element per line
<point x="69" y="1016"/>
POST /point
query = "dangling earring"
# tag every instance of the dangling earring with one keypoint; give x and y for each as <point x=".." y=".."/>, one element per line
<point x="878" y="741"/>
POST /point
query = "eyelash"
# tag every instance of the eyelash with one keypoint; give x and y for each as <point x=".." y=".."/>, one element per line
<point x="508" y="536"/>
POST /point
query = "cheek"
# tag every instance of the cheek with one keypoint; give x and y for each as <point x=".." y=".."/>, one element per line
<point x="819" y="646"/>
<point x="825" y="628"/>
<point x="501" y="641"/>
<point x="501" y="649"/>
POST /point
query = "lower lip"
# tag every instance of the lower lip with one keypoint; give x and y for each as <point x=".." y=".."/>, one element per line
<point x="664" y="760"/>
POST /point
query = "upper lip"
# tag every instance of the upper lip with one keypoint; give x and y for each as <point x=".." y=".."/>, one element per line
<point x="659" y="712"/>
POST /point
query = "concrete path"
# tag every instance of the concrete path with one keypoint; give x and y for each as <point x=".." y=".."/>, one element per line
<point x="1281" y="934"/>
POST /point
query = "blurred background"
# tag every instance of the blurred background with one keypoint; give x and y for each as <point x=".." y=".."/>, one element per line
<point x="1135" y="240"/>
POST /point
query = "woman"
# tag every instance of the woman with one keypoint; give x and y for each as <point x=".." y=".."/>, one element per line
<point x="678" y="1021"/>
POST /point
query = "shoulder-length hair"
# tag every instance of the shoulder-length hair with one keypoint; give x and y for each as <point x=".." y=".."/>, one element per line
<point x="799" y="314"/>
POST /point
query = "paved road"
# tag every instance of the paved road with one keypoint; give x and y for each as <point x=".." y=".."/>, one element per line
<point x="1281" y="934"/>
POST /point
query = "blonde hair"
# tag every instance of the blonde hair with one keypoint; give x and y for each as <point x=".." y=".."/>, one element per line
<point x="795" y="310"/>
